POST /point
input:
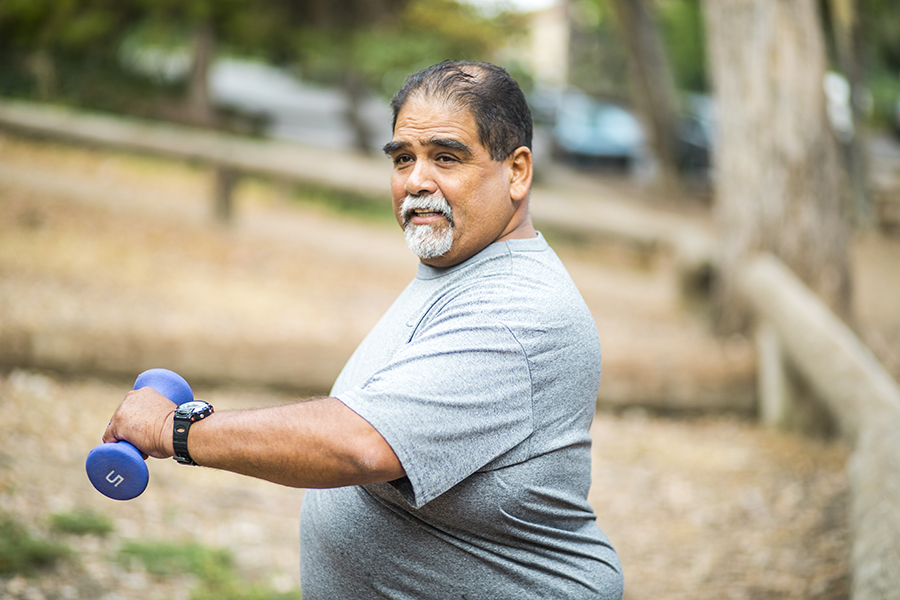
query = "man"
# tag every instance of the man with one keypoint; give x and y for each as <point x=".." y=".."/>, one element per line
<point x="453" y="458"/>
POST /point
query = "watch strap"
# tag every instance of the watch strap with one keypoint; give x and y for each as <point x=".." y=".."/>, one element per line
<point x="179" y="441"/>
<point x="183" y="421"/>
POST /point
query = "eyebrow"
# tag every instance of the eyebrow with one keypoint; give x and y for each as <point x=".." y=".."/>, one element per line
<point x="449" y="143"/>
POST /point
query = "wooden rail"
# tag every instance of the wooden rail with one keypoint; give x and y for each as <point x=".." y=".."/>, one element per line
<point x="231" y="155"/>
<point x="801" y="334"/>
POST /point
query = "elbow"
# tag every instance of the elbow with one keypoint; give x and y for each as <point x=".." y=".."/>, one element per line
<point x="375" y="461"/>
<point x="362" y="454"/>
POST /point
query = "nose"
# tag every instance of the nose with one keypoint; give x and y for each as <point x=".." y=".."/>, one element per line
<point x="420" y="181"/>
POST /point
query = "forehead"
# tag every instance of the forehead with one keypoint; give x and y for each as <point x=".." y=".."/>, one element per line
<point x="424" y="119"/>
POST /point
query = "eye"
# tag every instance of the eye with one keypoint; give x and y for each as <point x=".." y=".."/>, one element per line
<point x="446" y="159"/>
<point x="402" y="159"/>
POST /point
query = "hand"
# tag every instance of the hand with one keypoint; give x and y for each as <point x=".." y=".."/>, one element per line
<point x="145" y="419"/>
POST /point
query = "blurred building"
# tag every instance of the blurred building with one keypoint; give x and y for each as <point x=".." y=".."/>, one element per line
<point x="545" y="54"/>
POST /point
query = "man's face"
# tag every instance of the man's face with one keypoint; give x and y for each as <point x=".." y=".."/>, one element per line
<point x="450" y="197"/>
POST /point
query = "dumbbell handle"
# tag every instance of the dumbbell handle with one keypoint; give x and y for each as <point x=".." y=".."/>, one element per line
<point x="118" y="470"/>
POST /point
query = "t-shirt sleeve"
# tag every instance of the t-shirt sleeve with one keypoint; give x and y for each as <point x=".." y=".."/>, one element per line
<point x="449" y="402"/>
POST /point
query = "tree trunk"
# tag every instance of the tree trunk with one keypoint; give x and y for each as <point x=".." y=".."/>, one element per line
<point x="777" y="173"/>
<point x="200" y="107"/>
<point x="846" y="32"/>
<point x="354" y="87"/>
<point x="653" y="87"/>
<point x="41" y="65"/>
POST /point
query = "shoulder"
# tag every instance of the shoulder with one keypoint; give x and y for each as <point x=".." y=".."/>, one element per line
<point x="521" y="283"/>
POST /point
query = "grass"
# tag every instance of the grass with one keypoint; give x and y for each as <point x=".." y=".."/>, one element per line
<point x="81" y="522"/>
<point x="360" y="206"/>
<point x="22" y="552"/>
<point x="166" y="559"/>
<point x="214" y="569"/>
<point x="237" y="590"/>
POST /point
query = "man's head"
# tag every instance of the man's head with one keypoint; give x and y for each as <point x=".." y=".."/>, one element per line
<point x="462" y="160"/>
<point x="487" y="91"/>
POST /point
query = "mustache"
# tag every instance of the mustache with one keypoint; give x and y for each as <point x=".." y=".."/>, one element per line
<point x="433" y="202"/>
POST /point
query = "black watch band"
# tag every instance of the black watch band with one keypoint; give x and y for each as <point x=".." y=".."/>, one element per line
<point x="186" y="415"/>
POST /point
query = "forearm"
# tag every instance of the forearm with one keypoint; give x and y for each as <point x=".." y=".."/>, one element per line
<point x="314" y="444"/>
<point x="317" y="443"/>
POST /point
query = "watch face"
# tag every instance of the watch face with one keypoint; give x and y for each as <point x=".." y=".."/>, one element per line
<point x="189" y="409"/>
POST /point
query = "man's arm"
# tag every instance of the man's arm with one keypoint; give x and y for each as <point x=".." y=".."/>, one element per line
<point x="314" y="444"/>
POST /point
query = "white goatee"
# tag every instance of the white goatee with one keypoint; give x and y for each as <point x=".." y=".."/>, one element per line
<point x="427" y="241"/>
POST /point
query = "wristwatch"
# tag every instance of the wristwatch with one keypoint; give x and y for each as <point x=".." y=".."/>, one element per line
<point x="186" y="415"/>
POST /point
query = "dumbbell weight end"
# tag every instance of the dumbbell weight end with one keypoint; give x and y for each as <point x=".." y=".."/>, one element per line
<point x="118" y="470"/>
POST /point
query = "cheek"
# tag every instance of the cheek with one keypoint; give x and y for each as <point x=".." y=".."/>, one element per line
<point x="398" y="193"/>
<point x="396" y="207"/>
<point x="396" y="186"/>
<point x="486" y="216"/>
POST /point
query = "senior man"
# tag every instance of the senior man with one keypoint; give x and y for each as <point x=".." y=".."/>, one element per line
<point x="452" y="459"/>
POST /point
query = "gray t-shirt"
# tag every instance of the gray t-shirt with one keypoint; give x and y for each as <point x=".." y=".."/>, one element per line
<point x="483" y="379"/>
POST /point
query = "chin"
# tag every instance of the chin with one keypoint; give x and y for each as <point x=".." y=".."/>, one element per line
<point x="428" y="243"/>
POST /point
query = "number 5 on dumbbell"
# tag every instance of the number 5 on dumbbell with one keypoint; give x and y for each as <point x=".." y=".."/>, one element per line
<point x="118" y="470"/>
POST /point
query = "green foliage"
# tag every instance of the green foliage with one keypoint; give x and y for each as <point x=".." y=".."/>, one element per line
<point x="21" y="552"/>
<point x="682" y="28"/>
<point x="880" y="24"/>
<point x="598" y="63"/>
<point x="880" y="34"/>
<point x="67" y="51"/>
<point x="82" y="522"/>
<point x="885" y="90"/>
<point x="76" y="27"/>
<point x="383" y="52"/>
<point x="72" y="50"/>
<point x="378" y="42"/>
<point x="213" y="568"/>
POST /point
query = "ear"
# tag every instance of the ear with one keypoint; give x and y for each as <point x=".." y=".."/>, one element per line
<point x="521" y="166"/>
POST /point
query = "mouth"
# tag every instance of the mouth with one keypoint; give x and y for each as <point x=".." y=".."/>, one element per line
<point x="423" y="216"/>
<point x="425" y="211"/>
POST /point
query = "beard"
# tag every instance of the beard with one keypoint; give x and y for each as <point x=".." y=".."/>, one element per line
<point x="427" y="241"/>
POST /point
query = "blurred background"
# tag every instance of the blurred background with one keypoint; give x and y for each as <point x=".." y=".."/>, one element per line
<point x="198" y="185"/>
<point x="323" y="72"/>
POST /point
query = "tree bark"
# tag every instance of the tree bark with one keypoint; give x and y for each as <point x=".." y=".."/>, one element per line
<point x="200" y="107"/>
<point x="42" y="66"/>
<point x="778" y="183"/>
<point x="354" y="88"/>
<point x="653" y="87"/>
<point x="846" y="32"/>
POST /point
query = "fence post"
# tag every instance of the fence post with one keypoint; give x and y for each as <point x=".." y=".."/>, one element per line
<point x="774" y="385"/>
<point x="875" y="511"/>
<point x="223" y="194"/>
<point x="784" y="401"/>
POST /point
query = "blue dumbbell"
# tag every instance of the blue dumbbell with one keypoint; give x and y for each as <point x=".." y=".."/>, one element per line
<point x="118" y="470"/>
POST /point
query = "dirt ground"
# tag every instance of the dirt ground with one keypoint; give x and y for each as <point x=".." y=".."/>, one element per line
<point x="698" y="505"/>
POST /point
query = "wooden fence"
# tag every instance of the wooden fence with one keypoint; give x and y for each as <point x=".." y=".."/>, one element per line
<point x="229" y="155"/>
<point x="799" y="334"/>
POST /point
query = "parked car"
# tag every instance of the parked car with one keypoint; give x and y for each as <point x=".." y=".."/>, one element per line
<point x="293" y="109"/>
<point x="587" y="131"/>
<point x="593" y="133"/>
<point x="695" y="135"/>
